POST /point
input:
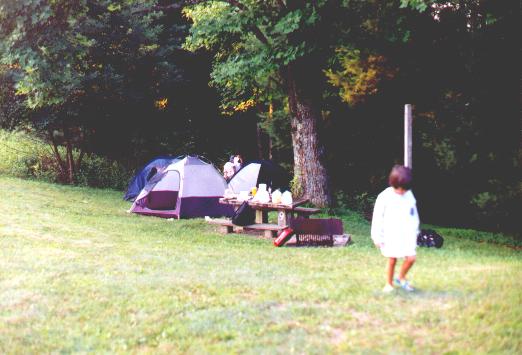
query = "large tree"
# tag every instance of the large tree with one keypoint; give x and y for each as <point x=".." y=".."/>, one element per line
<point x="263" y="46"/>
<point x="81" y="66"/>
<point x="260" y="46"/>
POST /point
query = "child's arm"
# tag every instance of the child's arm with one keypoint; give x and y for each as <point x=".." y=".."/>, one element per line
<point x="377" y="231"/>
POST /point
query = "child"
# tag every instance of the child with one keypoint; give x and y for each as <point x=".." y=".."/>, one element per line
<point x="395" y="225"/>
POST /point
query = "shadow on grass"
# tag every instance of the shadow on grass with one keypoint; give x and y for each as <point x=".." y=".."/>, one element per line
<point x="425" y="294"/>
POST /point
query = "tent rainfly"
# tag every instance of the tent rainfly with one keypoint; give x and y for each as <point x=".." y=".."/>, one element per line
<point x="146" y="173"/>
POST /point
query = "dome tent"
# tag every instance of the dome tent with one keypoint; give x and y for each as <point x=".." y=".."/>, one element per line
<point x="146" y="173"/>
<point x="187" y="188"/>
<point x="257" y="172"/>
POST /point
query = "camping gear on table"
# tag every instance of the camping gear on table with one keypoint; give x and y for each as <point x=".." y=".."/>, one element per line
<point x="243" y="196"/>
<point x="187" y="188"/>
<point x="141" y="178"/>
<point x="262" y="196"/>
<point x="286" y="198"/>
<point x="429" y="238"/>
<point x="244" y="215"/>
<point x="257" y="173"/>
<point x="276" y="196"/>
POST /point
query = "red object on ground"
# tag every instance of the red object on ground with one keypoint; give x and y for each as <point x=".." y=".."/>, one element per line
<point x="283" y="237"/>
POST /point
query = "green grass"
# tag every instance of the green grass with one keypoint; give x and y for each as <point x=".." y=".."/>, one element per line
<point x="79" y="274"/>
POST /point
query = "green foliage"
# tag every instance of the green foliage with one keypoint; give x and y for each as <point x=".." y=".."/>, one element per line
<point x="12" y="109"/>
<point x="466" y="235"/>
<point x="24" y="155"/>
<point x="21" y="155"/>
<point x="359" y="76"/>
<point x="420" y="5"/>
<point x="444" y="152"/>
<point x="50" y="62"/>
<point x="242" y="63"/>
<point x="496" y="206"/>
<point x="100" y="172"/>
<point x="90" y="58"/>
<point x="295" y="187"/>
<point x="251" y="43"/>
<point x="360" y="202"/>
<point x="69" y="36"/>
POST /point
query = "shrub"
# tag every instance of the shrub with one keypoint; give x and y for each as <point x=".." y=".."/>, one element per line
<point x="499" y="207"/>
<point x="361" y="202"/>
<point x="96" y="171"/>
<point x="295" y="187"/>
<point x="23" y="155"/>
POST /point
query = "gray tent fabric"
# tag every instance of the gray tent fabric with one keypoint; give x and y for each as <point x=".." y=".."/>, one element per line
<point x="185" y="189"/>
<point x="245" y="178"/>
<point x="258" y="172"/>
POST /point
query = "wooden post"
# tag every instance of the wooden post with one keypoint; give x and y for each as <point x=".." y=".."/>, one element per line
<point x="407" y="136"/>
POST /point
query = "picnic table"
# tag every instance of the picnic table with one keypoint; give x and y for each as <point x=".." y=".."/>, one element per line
<point x="286" y="213"/>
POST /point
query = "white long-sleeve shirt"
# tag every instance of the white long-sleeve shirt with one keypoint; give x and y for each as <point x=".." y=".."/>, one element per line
<point x="395" y="223"/>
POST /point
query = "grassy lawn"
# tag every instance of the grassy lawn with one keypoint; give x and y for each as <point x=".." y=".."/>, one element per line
<point x="79" y="274"/>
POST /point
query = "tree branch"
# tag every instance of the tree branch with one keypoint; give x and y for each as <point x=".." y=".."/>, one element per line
<point x="281" y="4"/>
<point x="57" y="155"/>
<point x="276" y="81"/>
<point x="257" y="31"/>
<point x="170" y="7"/>
<point x="235" y="3"/>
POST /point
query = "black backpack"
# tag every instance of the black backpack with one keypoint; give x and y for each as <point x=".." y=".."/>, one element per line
<point x="244" y="215"/>
<point x="429" y="238"/>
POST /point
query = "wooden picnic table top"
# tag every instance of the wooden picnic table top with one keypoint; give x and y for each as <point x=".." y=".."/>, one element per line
<point x="269" y="205"/>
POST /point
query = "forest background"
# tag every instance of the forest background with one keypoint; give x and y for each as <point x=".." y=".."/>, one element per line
<point x="108" y="85"/>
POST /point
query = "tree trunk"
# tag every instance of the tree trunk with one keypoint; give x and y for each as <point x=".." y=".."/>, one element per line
<point x="270" y="117"/>
<point x="69" y="155"/>
<point x="309" y="168"/>
<point x="70" y="163"/>
<point x="57" y="155"/>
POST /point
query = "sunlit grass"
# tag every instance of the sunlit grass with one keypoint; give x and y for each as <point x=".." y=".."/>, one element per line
<point x="79" y="274"/>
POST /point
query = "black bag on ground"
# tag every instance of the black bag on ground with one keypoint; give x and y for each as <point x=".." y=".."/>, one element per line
<point x="244" y="215"/>
<point x="429" y="238"/>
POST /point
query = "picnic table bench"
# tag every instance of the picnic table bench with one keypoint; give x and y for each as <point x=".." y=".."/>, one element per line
<point x="228" y="227"/>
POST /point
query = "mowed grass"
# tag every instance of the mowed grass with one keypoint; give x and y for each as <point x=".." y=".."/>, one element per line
<point x="79" y="274"/>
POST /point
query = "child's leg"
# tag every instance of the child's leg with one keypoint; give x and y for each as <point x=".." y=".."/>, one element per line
<point x="406" y="266"/>
<point x="391" y="270"/>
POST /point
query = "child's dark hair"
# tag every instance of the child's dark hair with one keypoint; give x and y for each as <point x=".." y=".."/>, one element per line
<point x="400" y="177"/>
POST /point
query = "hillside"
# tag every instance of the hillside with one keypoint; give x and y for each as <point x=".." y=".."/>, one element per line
<point x="79" y="274"/>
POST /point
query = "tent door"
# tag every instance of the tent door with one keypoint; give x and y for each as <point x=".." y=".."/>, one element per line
<point x="164" y="196"/>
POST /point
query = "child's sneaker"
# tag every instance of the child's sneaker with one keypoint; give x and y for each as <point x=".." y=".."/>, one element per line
<point x="405" y="285"/>
<point x="388" y="288"/>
